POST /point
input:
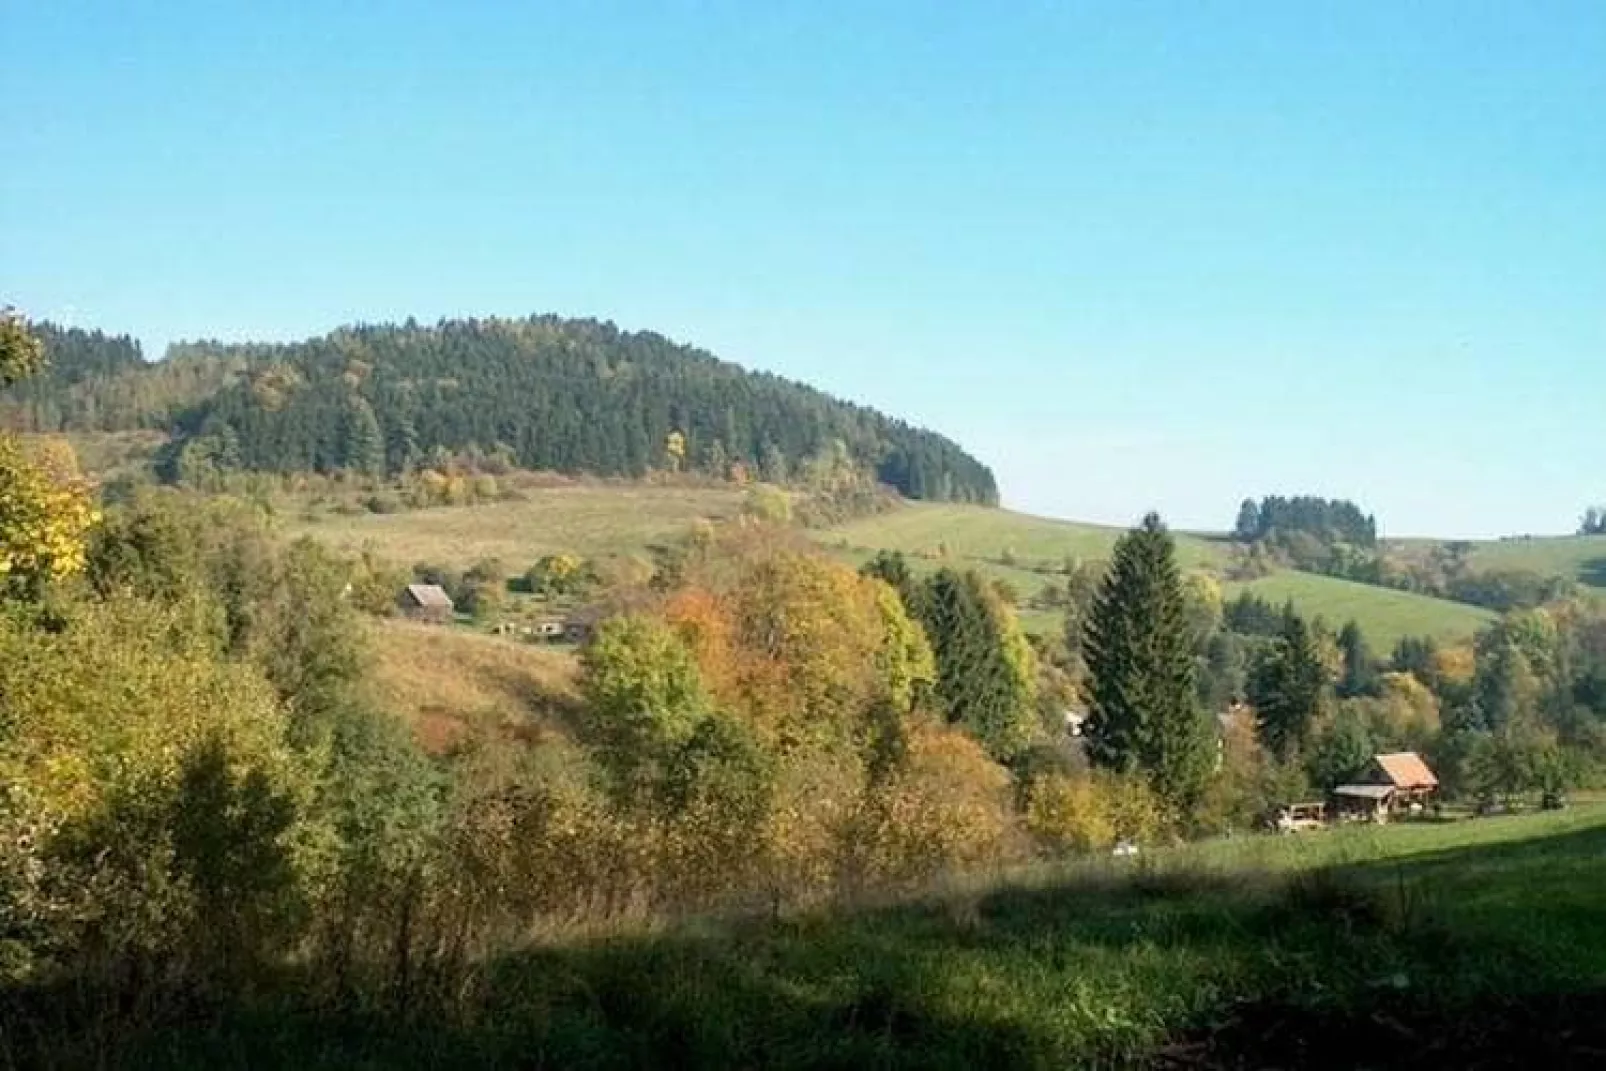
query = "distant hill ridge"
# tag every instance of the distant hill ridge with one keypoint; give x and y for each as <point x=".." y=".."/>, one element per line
<point x="550" y="393"/>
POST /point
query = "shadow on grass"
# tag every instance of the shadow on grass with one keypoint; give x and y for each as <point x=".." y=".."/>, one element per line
<point x="1162" y="969"/>
<point x="1593" y="573"/>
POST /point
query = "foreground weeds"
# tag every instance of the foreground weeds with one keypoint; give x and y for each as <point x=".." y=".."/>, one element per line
<point x="1486" y="953"/>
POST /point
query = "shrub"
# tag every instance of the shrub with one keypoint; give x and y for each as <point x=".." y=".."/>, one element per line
<point x="1091" y="812"/>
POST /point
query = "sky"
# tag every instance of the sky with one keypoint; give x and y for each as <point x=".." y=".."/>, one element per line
<point x="1133" y="255"/>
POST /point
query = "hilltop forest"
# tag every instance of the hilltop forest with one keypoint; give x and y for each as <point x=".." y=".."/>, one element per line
<point x="572" y="396"/>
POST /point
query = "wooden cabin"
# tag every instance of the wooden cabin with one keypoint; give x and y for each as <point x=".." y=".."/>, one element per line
<point x="426" y="602"/>
<point x="1396" y="783"/>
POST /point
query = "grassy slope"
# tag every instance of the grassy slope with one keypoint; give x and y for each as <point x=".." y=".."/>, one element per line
<point x="986" y="534"/>
<point x="1422" y="946"/>
<point x="622" y="519"/>
<point x="1384" y="615"/>
<point x="587" y="519"/>
<point x="978" y="537"/>
<point x="446" y="682"/>
<point x="1583" y="557"/>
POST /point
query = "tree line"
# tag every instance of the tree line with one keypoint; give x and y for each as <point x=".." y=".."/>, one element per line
<point x="549" y="393"/>
<point x="1328" y="520"/>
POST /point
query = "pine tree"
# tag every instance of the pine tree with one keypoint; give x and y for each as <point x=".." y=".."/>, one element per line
<point x="1288" y="687"/>
<point x="364" y="445"/>
<point x="401" y="443"/>
<point x="1248" y="527"/>
<point x="1361" y="677"/>
<point x="1144" y="715"/>
<point x="985" y="677"/>
<point x="893" y="568"/>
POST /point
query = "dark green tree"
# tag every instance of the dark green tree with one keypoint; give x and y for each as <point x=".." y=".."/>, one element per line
<point x="985" y="677"/>
<point x="401" y="442"/>
<point x="1341" y="752"/>
<point x="1248" y="527"/>
<point x="891" y="567"/>
<point x="1360" y="674"/>
<point x="364" y="442"/>
<point x="1144" y="715"/>
<point x="1288" y="687"/>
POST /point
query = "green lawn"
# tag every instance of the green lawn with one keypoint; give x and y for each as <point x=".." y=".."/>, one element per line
<point x="1409" y="946"/>
<point x="1384" y="614"/>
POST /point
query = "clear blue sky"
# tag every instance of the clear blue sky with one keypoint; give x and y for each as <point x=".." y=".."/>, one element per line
<point x="1134" y="255"/>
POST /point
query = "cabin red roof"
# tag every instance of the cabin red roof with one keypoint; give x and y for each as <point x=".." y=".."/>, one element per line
<point x="1405" y="769"/>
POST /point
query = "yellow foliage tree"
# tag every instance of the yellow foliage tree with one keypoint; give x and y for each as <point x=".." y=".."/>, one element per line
<point x="45" y="515"/>
<point x="1092" y="812"/>
<point x="148" y="797"/>
<point x="947" y="808"/>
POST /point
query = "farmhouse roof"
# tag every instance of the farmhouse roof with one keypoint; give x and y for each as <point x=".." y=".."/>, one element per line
<point x="1365" y="792"/>
<point x="430" y="596"/>
<point x="1405" y="769"/>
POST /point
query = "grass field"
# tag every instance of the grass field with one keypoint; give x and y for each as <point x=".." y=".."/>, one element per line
<point x="448" y="682"/>
<point x="979" y="538"/>
<point x="604" y="519"/>
<point x="988" y="534"/>
<point x="1473" y="943"/>
<point x="592" y="519"/>
<point x="1583" y="557"/>
<point x="1384" y="615"/>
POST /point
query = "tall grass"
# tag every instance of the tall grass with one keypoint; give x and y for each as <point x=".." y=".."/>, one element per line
<point x="1479" y="933"/>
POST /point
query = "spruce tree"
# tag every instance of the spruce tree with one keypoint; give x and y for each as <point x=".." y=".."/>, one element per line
<point x="986" y="680"/>
<point x="1144" y="716"/>
<point x="1247" y="530"/>
<point x="1288" y="687"/>
<point x="893" y="568"/>
<point x="1361" y="676"/>
<point x="364" y="446"/>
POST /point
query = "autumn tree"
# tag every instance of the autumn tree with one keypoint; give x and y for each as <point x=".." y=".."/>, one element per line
<point x="1143" y="712"/>
<point x="45" y="507"/>
<point x="21" y="354"/>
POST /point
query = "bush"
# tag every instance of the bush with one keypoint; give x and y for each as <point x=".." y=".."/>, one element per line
<point x="1091" y="812"/>
<point x="162" y="807"/>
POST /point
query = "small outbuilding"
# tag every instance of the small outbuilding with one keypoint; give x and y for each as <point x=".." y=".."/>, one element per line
<point x="1412" y="780"/>
<point x="1397" y="782"/>
<point x="426" y="602"/>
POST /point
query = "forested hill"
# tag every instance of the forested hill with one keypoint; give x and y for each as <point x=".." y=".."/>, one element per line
<point x="566" y="395"/>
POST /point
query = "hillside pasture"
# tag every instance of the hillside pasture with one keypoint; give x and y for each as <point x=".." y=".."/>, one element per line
<point x="449" y="682"/>
<point x="587" y="519"/>
<point x="1384" y="614"/>
<point x="1580" y="557"/>
<point x="971" y="537"/>
<point x="978" y="534"/>
<point x="596" y="520"/>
